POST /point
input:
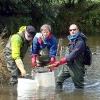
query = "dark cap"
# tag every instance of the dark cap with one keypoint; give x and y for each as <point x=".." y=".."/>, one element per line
<point x="31" y="30"/>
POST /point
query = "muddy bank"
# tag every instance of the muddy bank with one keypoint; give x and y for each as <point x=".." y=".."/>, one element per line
<point x="4" y="73"/>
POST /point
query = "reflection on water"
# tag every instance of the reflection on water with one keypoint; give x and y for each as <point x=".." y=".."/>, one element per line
<point x="90" y="92"/>
<point x="41" y="93"/>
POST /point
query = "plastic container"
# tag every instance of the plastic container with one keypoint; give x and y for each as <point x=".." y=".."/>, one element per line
<point x="26" y="87"/>
<point x="46" y="79"/>
<point x="27" y="84"/>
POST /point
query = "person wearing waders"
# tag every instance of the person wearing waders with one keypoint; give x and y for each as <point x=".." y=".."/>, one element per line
<point x="44" y="47"/>
<point x="15" y="51"/>
<point x="74" y="59"/>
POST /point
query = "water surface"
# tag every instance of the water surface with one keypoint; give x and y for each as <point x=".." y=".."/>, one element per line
<point x="90" y="92"/>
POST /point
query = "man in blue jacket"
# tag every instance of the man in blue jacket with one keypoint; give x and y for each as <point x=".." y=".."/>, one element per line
<point x="44" y="47"/>
<point x="74" y="59"/>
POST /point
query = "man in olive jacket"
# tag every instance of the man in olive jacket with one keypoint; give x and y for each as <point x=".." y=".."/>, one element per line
<point x="15" y="51"/>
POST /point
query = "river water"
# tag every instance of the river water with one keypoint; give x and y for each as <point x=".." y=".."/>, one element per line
<point x="90" y="92"/>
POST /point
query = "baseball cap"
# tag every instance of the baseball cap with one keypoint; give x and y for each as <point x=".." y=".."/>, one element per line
<point x="30" y="30"/>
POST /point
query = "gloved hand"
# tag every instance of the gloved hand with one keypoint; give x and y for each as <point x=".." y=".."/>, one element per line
<point x="34" y="63"/>
<point x="20" y="66"/>
<point x="56" y="64"/>
<point x="52" y="60"/>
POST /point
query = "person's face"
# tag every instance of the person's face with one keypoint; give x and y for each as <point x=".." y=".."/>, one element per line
<point x="27" y="36"/>
<point x="45" y="32"/>
<point x="73" y="29"/>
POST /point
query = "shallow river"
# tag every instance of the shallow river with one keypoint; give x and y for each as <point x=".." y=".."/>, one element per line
<point x="90" y="92"/>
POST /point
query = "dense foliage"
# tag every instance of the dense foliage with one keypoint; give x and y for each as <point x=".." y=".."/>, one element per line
<point x="58" y="13"/>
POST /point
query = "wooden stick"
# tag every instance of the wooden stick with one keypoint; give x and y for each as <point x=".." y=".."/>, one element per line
<point x="48" y="66"/>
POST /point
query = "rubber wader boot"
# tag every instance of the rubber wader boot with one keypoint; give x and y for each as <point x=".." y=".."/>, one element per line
<point x="59" y="86"/>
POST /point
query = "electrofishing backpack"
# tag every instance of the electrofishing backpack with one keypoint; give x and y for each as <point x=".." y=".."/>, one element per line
<point x="87" y="60"/>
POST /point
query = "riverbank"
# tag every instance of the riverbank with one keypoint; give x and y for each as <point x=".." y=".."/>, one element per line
<point x="4" y="73"/>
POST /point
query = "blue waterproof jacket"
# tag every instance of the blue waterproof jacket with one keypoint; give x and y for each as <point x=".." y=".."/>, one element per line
<point x="39" y="43"/>
<point x="76" y="47"/>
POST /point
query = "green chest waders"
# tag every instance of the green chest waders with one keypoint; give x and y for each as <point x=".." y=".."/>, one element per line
<point x="43" y="57"/>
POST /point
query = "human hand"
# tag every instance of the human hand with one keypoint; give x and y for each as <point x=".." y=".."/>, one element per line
<point x="52" y="66"/>
<point x="33" y="60"/>
<point x="56" y="64"/>
<point x="34" y="64"/>
<point x="52" y="60"/>
<point x="23" y="72"/>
